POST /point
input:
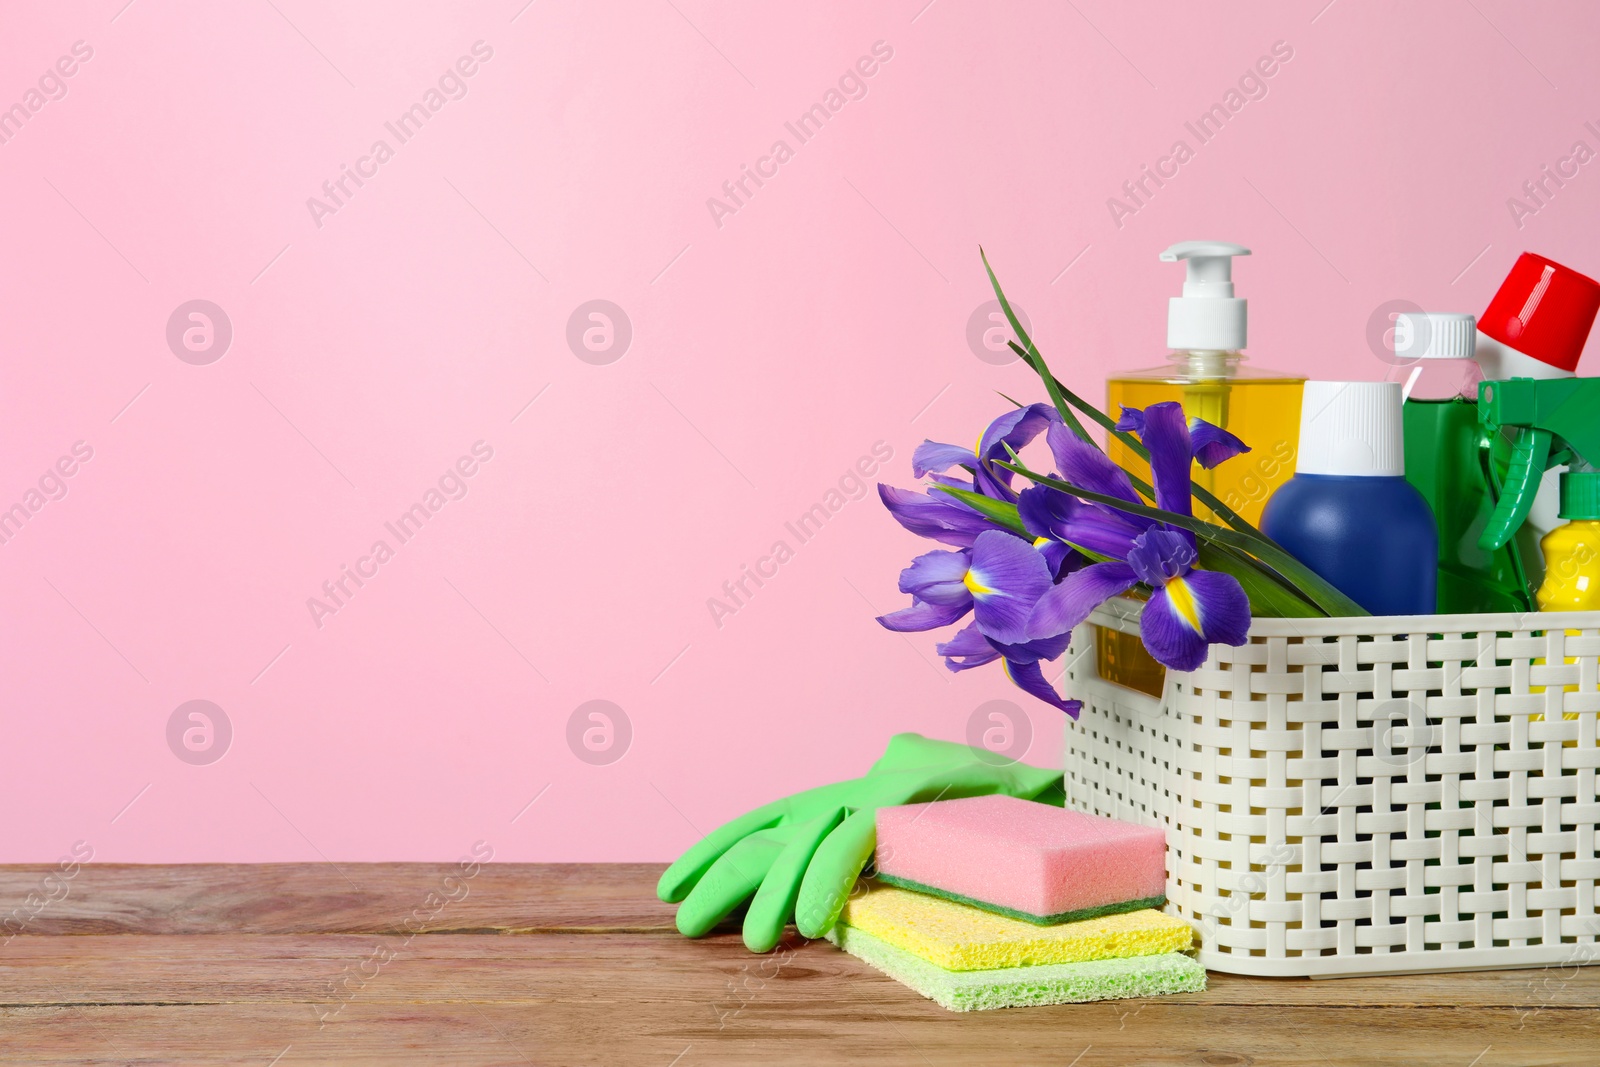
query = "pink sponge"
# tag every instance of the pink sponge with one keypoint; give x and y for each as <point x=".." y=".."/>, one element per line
<point x="1019" y="858"/>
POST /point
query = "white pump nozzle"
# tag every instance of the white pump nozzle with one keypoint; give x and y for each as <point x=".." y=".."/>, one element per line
<point x="1207" y="316"/>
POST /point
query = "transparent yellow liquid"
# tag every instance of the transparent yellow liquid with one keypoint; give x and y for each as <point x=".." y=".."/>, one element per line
<point x="1262" y="409"/>
<point x="1122" y="658"/>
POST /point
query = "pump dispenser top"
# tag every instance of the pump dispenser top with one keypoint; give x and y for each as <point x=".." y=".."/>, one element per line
<point x="1207" y="317"/>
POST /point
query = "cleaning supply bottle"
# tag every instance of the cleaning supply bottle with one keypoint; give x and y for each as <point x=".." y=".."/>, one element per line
<point x="1207" y="373"/>
<point x="1572" y="552"/>
<point x="1348" y="513"/>
<point x="1446" y="449"/>
<point x="1549" y="423"/>
<point x="1572" y="560"/>
<point x="1535" y="327"/>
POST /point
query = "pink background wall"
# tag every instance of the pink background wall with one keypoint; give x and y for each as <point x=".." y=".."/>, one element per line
<point x="771" y="348"/>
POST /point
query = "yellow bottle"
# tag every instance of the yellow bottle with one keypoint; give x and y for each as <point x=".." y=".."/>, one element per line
<point x="1572" y="568"/>
<point x="1207" y="328"/>
<point x="1572" y="556"/>
<point x="1207" y="373"/>
<point x="1572" y="552"/>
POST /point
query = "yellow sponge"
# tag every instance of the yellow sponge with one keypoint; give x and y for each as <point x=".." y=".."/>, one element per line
<point x="958" y="937"/>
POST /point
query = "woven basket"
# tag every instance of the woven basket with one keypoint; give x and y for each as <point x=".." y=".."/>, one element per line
<point x="1363" y="796"/>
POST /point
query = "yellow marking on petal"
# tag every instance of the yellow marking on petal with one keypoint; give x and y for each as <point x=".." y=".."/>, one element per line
<point x="1040" y="542"/>
<point x="1181" y="597"/>
<point x="974" y="585"/>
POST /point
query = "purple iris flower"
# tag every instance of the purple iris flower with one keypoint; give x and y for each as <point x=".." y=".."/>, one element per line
<point x="1189" y="609"/>
<point x="1025" y="598"/>
<point x="999" y="580"/>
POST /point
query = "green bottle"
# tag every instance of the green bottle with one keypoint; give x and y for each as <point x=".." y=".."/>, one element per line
<point x="1452" y="459"/>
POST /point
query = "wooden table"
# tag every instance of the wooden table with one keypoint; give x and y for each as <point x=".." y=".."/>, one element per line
<point x="292" y="964"/>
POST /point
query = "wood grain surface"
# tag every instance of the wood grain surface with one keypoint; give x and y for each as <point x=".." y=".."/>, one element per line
<point x="404" y="964"/>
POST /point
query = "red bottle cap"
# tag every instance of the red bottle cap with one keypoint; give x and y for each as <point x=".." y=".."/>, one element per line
<point x="1543" y="310"/>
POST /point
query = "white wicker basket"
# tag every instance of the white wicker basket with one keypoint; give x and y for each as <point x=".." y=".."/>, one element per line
<point x="1363" y="796"/>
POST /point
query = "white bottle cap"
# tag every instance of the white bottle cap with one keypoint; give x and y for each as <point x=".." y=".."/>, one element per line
<point x="1207" y="316"/>
<point x="1434" y="335"/>
<point x="1351" y="428"/>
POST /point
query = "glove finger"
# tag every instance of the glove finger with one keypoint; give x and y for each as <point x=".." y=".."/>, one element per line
<point x="729" y="881"/>
<point x="679" y="879"/>
<point x="833" y="870"/>
<point x="773" y="905"/>
<point x="687" y="870"/>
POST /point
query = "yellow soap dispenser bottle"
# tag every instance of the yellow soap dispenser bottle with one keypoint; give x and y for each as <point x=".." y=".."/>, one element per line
<point x="1208" y="373"/>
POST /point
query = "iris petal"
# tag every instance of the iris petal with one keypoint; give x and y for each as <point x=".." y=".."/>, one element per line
<point x="1029" y="677"/>
<point x="1069" y="601"/>
<point x="994" y="483"/>
<point x="1016" y="428"/>
<point x="1132" y="420"/>
<point x="1045" y="512"/>
<point x="967" y="649"/>
<point x="1084" y="465"/>
<point x="1224" y="607"/>
<point x="932" y="457"/>
<point x="1213" y="444"/>
<point x="1062" y="559"/>
<point x="943" y="520"/>
<point x="1170" y="631"/>
<point x="1158" y="555"/>
<point x="1166" y="435"/>
<point x="1030" y="651"/>
<point x="937" y="578"/>
<point x="1193" y="612"/>
<point x="1042" y="509"/>
<point x="923" y="616"/>
<point x="1008" y="576"/>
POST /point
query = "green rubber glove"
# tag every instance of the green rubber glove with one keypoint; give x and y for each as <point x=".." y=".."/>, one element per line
<point x="799" y="857"/>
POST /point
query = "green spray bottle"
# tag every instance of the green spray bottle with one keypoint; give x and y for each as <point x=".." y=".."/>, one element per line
<point x="1536" y="327"/>
<point x="1548" y="424"/>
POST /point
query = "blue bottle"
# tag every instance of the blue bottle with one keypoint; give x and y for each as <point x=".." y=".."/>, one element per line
<point x="1348" y="513"/>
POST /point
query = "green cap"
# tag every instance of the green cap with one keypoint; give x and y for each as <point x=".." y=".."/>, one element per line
<point x="1580" y="495"/>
